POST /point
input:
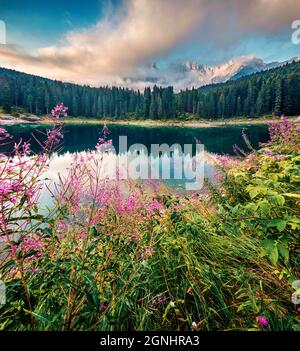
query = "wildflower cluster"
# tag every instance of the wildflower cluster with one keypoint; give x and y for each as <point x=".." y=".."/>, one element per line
<point x="103" y="141"/>
<point x="59" y="111"/>
<point x="116" y="255"/>
<point x="283" y="132"/>
<point x="21" y="244"/>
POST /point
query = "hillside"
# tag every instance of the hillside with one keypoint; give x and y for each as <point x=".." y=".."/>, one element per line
<point x="273" y="91"/>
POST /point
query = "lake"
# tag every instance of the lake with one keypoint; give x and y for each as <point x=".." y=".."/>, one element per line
<point x="80" y="138"/>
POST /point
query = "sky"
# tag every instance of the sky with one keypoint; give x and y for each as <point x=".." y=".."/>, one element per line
<point x="117" y="42"/>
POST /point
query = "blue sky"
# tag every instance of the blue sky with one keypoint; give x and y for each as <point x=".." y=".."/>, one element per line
<point x="36" y="23"/>
<point x="52" y="36"/>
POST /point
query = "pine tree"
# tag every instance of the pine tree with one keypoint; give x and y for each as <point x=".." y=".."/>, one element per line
<point x="278" y="98"/>
<point x="5" y="96"/>
<point x="147" y="102"/>
<point x="239" y="106"/>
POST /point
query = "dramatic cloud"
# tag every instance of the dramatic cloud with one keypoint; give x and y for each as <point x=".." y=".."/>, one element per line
<point x="124" y="42"/>
<point x="266" y="15"/>
<point x="140" y="31"/>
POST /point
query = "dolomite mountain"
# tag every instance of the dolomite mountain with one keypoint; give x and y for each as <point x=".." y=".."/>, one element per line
<point x="193" y="74"/>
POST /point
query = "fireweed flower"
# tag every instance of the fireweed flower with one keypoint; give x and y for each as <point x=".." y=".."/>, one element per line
<point x="105" y="131"/>
<point x="147" y="253"/>
<point x="161" y="299"/>
<point x="4" y="134"/>
<point x="263" y="321"/>
<point x="30" y="193"/>
<point x="102" y="144"/>
<point x="59" y="111"/>
<point x="54" y="136"/>
<point x="281" y="131"/>
<point x="275" y="156"/>
<point x="103" y="141"/>
<point x="153" y="206"/>
<point x="26" y="149"/>
<point x="62" y="226"/>
<point x="31" y="244"/>
<point x="223" y="160"/>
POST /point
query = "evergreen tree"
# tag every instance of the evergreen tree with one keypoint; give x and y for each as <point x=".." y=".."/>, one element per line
<point x="258" y="94"/>
<point x="278" y="98"/>
<point x="147" y="102"/>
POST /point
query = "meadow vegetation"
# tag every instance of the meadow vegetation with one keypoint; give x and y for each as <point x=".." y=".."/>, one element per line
<point x="125" y="256"/>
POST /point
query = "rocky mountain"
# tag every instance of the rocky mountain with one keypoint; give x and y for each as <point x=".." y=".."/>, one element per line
<point x="193" y="74"/>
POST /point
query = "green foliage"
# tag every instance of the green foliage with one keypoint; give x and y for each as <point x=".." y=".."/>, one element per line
<point x="215" y="262"/>
<point x="193" y="275"/>
<point x="263" y="199"/>
<point x="274" y="91"/>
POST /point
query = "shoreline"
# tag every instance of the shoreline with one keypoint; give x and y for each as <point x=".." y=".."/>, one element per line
<point x="147" y="123"/>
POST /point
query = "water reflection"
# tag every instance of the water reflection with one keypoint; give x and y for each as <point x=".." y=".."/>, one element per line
<point x="80" y="138"/>
<point x="83" y="137"/>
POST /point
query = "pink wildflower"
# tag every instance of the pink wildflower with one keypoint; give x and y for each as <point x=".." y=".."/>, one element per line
<point x="153" y="206"/>
<point x="103" y="142"/>
<point x="4" y="134"/>
<point x="54" y="137"/>
<point x="26" y="149"/>
<point x="147" y="253"/>
<point x="59" y="111"/>
<point x="224" y="160"/>
<point x="263" y="321"/>
<point x="282" y="130"/>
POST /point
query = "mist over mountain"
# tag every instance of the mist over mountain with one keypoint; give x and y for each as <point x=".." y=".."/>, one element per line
<point x="186" y="75"/>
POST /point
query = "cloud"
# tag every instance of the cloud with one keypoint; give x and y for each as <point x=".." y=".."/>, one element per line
<point x="266" y="15"/>
<point x="140" y="31"/>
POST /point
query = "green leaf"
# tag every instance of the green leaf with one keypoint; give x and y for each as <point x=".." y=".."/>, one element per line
<point x="280" y="224"/>
<point x="271" y="250"/>
<point x="277" y="199"/>
<point x="253" y="191"/>
<point x="268" y="245"/>
<point x="264" y="206"/>
<point x="93" y="231"/>
<point x="284" y="252"/>
<point x="294" y="223"/>
<point x="274" y="255"/>
<point x="296" y="327"/>
<point x="251" y="206"/>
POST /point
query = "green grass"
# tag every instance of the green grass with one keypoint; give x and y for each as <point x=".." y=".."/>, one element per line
<point x="157" y="261"/>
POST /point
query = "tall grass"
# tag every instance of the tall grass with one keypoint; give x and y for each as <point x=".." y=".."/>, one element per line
<point x="110" y="259"/>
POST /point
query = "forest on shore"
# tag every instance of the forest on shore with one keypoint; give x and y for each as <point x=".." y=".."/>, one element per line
<point x="276" y="91"/>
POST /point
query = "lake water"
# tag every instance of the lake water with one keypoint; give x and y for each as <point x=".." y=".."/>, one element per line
<point x="80" y="138"/>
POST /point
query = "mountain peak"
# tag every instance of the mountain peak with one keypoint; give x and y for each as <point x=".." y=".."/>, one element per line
<point x="191" y="73"/>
